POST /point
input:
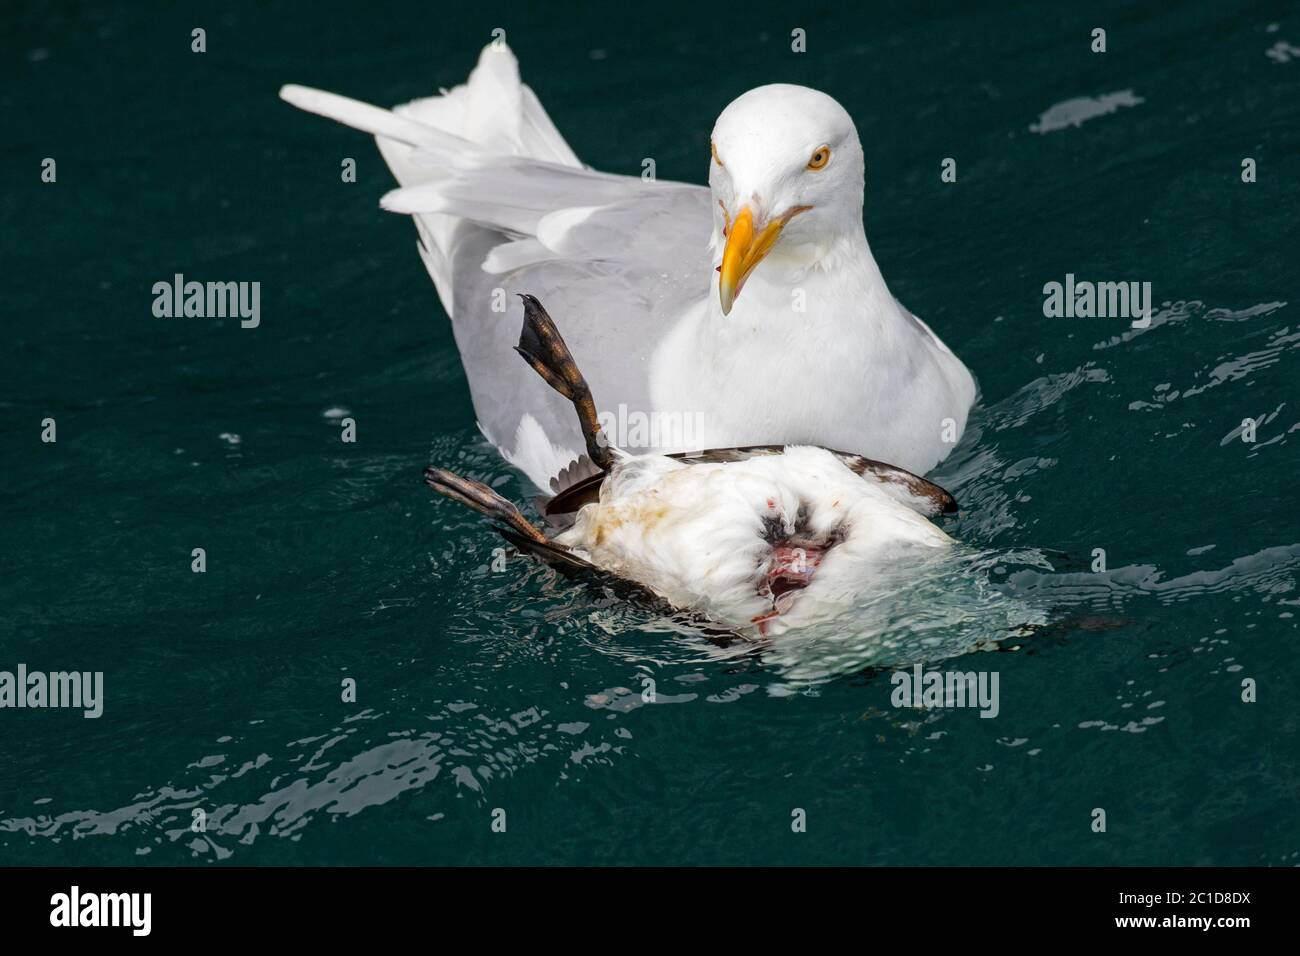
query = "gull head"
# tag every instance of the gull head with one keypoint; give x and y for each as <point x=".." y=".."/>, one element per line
<point x="786" y="176"/>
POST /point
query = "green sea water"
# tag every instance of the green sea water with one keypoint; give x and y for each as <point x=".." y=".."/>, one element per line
<point x="480" y="690"/>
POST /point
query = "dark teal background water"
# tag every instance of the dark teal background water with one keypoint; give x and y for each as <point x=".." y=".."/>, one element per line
<point x="480" y="690"/>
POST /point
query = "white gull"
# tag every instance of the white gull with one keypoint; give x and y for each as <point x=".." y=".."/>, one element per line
<point x="754" y="305"/>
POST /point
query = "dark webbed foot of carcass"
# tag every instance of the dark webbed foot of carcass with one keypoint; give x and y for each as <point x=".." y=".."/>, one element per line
<point x="542" y="347"/>
<point x="482" y="499"/>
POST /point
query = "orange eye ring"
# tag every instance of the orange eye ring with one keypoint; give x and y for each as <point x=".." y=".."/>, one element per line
<point x="820" y="158"/>
<point x="714" y="150"/>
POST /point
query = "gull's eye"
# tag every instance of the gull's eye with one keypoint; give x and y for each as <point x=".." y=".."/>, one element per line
<point x="714" y="150"/>
<point x="820" y="158"/>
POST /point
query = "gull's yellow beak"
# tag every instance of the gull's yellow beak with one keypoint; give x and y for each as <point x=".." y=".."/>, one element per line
<point x="745" y="250"/>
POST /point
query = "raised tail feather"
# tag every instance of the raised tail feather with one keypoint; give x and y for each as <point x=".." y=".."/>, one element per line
<point x="440" y="145"/>
<point x="492" y="114"/>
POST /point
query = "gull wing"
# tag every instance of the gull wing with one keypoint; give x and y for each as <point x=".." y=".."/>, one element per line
<point x="502" y="205"/>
